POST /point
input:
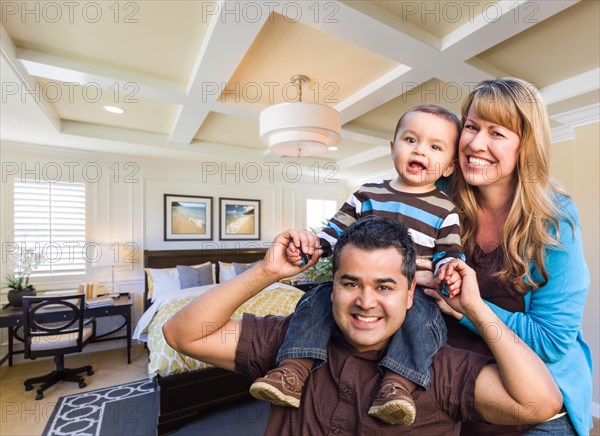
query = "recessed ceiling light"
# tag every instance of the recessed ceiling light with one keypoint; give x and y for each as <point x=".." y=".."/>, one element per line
<point x="113" y="109"/>
<point x="332" y="148"/>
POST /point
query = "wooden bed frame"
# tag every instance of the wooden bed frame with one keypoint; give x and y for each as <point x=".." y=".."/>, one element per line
<point x="182" y="397"/>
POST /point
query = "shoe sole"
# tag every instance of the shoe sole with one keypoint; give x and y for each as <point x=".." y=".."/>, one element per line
<point x="394" y="412"/>
<point x="266" y="392"/>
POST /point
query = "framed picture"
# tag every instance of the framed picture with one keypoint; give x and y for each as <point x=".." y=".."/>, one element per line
<point x="239" y="219"/>
<point x="188" y="218"/>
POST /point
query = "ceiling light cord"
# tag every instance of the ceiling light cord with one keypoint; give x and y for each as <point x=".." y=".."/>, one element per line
<point x="299" y="80"/>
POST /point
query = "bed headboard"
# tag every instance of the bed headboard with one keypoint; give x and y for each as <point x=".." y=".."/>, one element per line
<point x="172" y="258"/>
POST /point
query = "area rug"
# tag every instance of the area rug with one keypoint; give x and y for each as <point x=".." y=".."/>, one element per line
<point x="128" y="409"/>
<point x="131" y="409"/>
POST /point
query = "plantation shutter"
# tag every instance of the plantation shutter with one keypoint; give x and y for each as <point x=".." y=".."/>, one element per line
<point x="49" y="217"/>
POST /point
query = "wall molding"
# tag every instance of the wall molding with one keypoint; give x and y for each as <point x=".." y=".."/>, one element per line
<point x="579" y="117"/>
<point x="561" y="134"/>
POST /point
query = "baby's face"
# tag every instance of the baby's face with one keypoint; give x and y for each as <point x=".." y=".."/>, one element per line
<point x="423" y="151"/>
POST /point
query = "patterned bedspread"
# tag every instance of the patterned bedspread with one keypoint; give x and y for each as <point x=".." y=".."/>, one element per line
<point x="278" y="299"/>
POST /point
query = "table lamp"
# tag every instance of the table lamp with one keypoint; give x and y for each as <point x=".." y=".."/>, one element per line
<point x="111" y="256"/>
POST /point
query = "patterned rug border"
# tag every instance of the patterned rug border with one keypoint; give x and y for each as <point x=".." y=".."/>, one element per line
<point x="99" y="399"/>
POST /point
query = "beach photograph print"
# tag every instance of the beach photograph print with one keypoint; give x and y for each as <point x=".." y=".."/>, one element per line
<point x="239" y="219"/>
<point x="188" y="218"/>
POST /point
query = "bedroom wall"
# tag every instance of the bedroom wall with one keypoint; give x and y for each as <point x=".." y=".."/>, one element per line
<point x="126" y="195"/>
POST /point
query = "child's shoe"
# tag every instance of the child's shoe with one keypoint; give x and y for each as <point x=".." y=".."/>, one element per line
<point x="393" y="405"/>
<point x="281" y="386"/>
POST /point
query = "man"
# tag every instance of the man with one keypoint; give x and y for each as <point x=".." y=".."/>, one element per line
<point x="373" y="285"/>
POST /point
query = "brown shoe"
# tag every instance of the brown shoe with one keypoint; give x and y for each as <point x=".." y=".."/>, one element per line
<point x="281" y="386"/>
<point x="393" y="405"/>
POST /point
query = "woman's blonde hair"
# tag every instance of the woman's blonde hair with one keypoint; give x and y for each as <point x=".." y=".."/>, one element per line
<point x="517" y="106"/>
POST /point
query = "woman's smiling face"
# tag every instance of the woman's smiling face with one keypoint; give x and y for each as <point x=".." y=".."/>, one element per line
<point x="487" y="152"/>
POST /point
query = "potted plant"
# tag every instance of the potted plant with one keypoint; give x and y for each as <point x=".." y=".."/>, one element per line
<point x="322" y="271"/>
<point x="24" y="262"/>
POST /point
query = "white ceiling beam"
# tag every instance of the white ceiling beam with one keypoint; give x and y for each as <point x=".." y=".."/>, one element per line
<point x="363" y="157"/>
<point x="497" y="23"/>
<point x="67" y="70"/>
<point x="356" y="27"/>
<point x="448" y="64"/>
<point x="394" y="83"/>
<point x="366" y="136"/>
<point x="381" y="147"/>
<point x="226" y="42"/>
<point x="572" y="87"/>
<point x="8" y="50"/>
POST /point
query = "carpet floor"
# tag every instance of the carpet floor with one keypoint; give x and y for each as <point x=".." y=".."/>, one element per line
<point x="130" y="409"/>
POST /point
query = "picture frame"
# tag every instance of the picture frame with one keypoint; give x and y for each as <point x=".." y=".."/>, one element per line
<point x="239" y="219"/>
<point x="188" y="218"/>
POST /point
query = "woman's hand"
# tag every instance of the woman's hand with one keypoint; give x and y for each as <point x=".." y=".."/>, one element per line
<point x="426" y="281"/>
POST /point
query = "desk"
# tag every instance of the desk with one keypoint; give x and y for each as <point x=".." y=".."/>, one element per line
<point x="12" y="318"/>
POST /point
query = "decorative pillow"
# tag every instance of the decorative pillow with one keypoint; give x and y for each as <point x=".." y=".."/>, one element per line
<point x="241" y="267"/>
<point x="190" y="277"/>
<point x="226" y="271"/>
<point x="161" y="281"/>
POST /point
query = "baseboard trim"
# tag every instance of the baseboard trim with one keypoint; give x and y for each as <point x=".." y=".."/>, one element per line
<point x="595" y="410"/>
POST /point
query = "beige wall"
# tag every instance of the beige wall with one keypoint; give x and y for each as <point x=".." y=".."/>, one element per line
<point x="587" y="196"/>
<point x="562" y="165"/>
<point x="576" y="163"/>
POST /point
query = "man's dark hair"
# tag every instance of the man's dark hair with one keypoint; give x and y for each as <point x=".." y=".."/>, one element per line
<point x="374" y="232"/>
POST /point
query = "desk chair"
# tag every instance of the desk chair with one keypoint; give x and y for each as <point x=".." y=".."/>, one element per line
<point x="43" y="338"/>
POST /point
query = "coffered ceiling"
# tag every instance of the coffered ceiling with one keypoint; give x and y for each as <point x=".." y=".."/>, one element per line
<point x="193" y="76"/>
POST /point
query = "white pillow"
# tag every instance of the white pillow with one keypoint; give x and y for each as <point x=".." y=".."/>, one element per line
<point x="164" y="280"/>
<point x="226" y="271"/>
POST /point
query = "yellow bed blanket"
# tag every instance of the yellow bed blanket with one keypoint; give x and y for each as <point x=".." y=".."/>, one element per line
<point x="278" y="299"/>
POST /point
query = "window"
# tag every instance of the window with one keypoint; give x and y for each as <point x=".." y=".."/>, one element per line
<point x="50" y="219"/>
<point x="319" y="210"/>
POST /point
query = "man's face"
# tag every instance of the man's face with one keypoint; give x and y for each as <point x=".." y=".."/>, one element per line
<point x="370" y="296"/>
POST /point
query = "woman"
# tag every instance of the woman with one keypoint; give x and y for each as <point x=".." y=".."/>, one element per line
<point x="521" y="234"/>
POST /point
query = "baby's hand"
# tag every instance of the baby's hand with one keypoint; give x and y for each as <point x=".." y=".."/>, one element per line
<point x="301" y="249"/>
<point x="293" y="254"/>
<point x="448" y="280"/>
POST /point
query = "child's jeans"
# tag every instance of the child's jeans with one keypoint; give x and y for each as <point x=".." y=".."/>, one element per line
<point x="409" y="353"/>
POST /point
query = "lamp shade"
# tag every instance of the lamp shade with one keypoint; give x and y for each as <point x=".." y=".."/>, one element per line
<point x="299" y="129"/>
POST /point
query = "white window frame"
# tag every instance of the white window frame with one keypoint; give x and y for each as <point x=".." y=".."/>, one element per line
<point x="317" y="198"/>
<point x="46" y="281"/>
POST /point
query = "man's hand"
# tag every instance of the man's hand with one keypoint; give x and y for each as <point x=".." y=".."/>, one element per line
<point x="303" y="242"/>
<point x="283" y="259"/>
